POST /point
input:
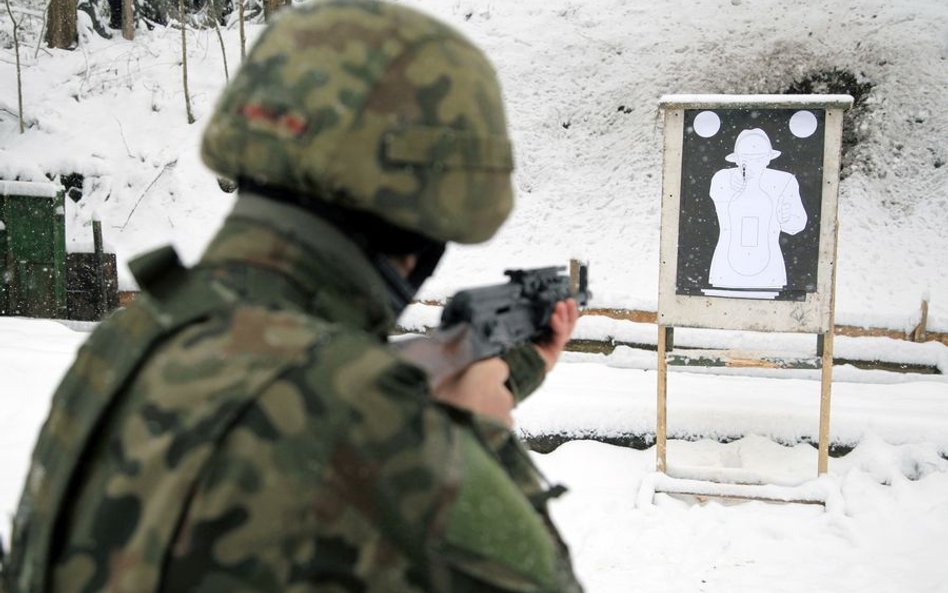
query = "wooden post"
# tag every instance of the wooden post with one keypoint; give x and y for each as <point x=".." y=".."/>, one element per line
<point x="664" y="336"/>
<point x="101" y="296"/>
<point x="919" y="333"/>
<point x="825" y="389"/>
<point x="826" y="384"/>
<point x="573" y="275"/>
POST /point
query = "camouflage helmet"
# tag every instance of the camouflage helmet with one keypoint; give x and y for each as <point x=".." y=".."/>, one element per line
<point x="375" y="107"/>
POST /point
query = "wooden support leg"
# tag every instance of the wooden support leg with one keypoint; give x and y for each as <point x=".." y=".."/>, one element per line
<point x="664" y="337"/>
<point x="826" y="340"/>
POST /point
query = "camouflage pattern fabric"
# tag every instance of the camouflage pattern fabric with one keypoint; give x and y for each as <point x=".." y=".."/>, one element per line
<point x="376" y="107"/>
<point x="267" y="439"/>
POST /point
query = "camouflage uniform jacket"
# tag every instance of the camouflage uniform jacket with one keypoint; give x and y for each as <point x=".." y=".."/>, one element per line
<point x="260" y="435"/>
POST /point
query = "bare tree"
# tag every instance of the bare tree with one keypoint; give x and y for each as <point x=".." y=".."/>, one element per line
<point x="243" y="36"/>
<point x="184" y="61"/>
<point x="216" y="17"/>
<point x="19" y="81"/>
<point x="61" y="32"/>
<point x="128" y="19"/>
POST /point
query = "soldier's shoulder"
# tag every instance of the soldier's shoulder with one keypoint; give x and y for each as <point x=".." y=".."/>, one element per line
<point x="349" y="366"/>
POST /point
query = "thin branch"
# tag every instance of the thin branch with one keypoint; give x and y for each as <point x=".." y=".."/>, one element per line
<point x="128" y="150"/>
<point x="42" y="35"/>
<point x="27" y="11"/>
<point x="19" y="81"/>
<point x="220" y="39"/>
<point x="145" y="193"/>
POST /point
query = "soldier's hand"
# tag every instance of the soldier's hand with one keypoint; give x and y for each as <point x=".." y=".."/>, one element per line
<point x="480" y="389"/>
<point x="562" y="323"/>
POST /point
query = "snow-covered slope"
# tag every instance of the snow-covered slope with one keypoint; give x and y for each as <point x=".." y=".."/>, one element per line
<point x="582" y="81"/>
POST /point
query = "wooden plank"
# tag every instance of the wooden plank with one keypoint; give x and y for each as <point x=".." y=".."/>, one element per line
<point x="704" y="490"/>
<point x="650" y="317"/>
<point x="826" y="386"/>
<point x="739" y="359"/>
<point x="852" y="331"/>
<point x="703" y="498"/>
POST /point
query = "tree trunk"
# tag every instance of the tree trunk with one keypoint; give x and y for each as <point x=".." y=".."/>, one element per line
<point x="243" y="37"/>
<point x="19" y="80"/>
<point x="270" y="8"/>
<point x="184" y="61"/>
<point x="61" y="31"/>
<point x="128" y="19"/>
<point x="216" y="17"/>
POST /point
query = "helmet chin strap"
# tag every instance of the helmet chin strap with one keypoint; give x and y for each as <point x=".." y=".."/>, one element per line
<point x="400" y="292"/>
<point x="402" y="289"/>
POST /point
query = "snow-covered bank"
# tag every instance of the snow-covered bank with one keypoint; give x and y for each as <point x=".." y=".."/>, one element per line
<point x="586" y="398"/>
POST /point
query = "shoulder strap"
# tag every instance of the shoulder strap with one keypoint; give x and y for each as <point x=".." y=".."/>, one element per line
<point x="103" y="368"/>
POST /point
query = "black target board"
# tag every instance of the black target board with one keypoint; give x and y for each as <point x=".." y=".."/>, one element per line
<point x="750" y="184"/>
<point x="749" y="224"/>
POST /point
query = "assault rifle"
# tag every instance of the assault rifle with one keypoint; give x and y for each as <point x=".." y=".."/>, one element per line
<point x="484" y="322"/>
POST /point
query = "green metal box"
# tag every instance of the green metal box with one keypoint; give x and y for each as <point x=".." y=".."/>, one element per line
<point x="33" y="249"/>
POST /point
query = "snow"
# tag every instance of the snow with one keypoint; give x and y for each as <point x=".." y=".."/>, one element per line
<point x="30" y="189"/>
<point x="690" y="101"/>
<point x="880" y="530"/>
<point x="781" y="405"/>
<point x="583" y="82"/>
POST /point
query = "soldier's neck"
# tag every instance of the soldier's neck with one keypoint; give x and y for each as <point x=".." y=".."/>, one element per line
<point x="333" y="277"/>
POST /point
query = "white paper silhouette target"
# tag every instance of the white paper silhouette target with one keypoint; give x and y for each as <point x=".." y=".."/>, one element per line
<point x="754" y="204"/>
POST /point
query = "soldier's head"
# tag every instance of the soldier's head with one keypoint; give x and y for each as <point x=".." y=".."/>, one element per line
<point x="379" y="118"/>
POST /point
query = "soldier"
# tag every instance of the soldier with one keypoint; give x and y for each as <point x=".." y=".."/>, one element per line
<point x="243" y="425"/>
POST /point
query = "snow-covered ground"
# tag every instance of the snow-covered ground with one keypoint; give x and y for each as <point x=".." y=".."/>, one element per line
<point x="882" y="530"/>
<point x="582" y="80"/>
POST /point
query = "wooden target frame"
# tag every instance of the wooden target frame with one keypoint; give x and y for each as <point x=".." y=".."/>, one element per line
<point x="698" y="129"/>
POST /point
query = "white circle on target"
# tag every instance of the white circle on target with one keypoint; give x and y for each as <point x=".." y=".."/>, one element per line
<point x="803" y="124"/>
<point x="707" y="124"/>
